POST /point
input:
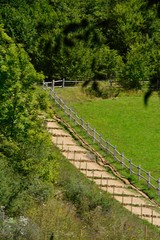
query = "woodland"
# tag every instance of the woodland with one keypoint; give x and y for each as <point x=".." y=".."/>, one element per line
<point x="50" y="39"/>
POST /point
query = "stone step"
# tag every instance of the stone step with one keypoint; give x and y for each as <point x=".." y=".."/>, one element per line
<point x="54" y="128"/>
<point x="68" y="149"/>
<point x="63" y="141"/>
<point x="98" y="177"/>
<point x="60" y="135"/>
<point x="51" y="120"/>
<point x="149" y="216"/>
<point x="110" y="185"/>
<point x="85" y="161"/>
<point x="143" y="210"/>
<point x="154" y="221"/>
<point x="53" y="125"/>
<point x="96" y="170"/>
<point x="78" y="156"/>
<point x="109" y="182"/>
<point x="81" y="161"/>
<point x="113" y="190"/>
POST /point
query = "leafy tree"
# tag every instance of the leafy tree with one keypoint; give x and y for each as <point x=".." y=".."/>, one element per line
<point x="25" y="148"/>
<point x="137" y="68"/>
<point x="61" y="36"/>
<point x="107" y="63"/>
<point x="17" y="76"/>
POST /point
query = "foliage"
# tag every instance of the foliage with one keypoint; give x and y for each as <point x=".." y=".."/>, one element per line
<point x="100" y="215"/>
<point x="81" y="195"/>
<point x="28" y="170"/>
<point x="107" y="63"/>
<point x="17" y="76"/>
<point x="88" y="40"/>
<point x="138" y="68"/>
<point x="27" y="160"/>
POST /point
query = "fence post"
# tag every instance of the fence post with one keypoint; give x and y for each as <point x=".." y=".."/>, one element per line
<point x="74" y="118"/>
<point x="43" y="85"/>
<point x="114" y="154"/>
<point x="54" y="95"/>
<point x="107" y="145"/>
<point x="87" y="128"/>
<point x="130" y="167"/>
<point x="53" y="84"/>
<point x="159" y="187"/>
<point x="149" y="179"/>
<point x="70" y="114"/>
<point x="152" y="215"/>
<point x="139" y="172"/>
<point x="82" y="122"/>
<point x="63" y="82"/>
<point x="51" y="93"/>
<point x="55" y="98"/>
<point x="100" y="139"/>
<point x="94" y="135"/>
<point x="65" y="109"/>
<point x="122" y="160"/>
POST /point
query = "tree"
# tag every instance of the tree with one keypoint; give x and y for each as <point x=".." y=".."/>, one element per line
<point x="25" y="148"/>
<point x="107" y="63"/>
<point x="17" y="76"/>
<point x="138" y="67"/>
<point x="61" y="36"/>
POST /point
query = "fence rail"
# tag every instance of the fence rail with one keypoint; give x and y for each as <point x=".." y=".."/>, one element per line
<point x="60" y="83"/>
<point x="106" y="145"/>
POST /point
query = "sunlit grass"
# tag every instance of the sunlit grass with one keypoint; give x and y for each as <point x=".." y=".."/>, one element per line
<point x="125" y="121"/>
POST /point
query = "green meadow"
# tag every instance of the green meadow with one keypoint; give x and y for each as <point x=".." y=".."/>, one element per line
<point x="125" y="121"/>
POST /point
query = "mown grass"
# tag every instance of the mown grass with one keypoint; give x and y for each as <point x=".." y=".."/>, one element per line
<point x="125" y="121"/>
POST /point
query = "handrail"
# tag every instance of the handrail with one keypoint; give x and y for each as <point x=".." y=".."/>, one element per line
<point x="106" y="145"/>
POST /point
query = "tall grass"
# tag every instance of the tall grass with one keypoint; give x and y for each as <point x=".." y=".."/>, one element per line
<point x="79" y="210"/>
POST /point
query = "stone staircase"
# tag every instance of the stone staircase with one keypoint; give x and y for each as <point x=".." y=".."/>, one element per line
<point x="88" y="164"/>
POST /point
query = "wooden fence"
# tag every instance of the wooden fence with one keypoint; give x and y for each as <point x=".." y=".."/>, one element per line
<point x="106" y="145"/>
<point x="60" y="83"/>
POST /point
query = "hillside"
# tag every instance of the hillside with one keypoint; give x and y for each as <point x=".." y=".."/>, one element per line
<point x="78" y="40"/>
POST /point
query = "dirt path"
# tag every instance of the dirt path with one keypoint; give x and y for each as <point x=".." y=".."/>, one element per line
<point x="87" y="163"/>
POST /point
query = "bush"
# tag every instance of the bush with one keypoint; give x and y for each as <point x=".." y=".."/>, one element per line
<point x="110" y="92"/>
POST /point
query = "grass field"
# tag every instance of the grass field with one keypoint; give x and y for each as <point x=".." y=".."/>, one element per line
<point x="125" y="121"/>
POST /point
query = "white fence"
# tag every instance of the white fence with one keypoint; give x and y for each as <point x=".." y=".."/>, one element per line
<point x="60" y="83"/>
<point x="106" y="145"/>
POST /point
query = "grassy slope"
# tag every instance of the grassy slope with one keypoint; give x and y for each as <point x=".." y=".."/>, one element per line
<point x="125" y="122"/>
<point x="78" y="210"/>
